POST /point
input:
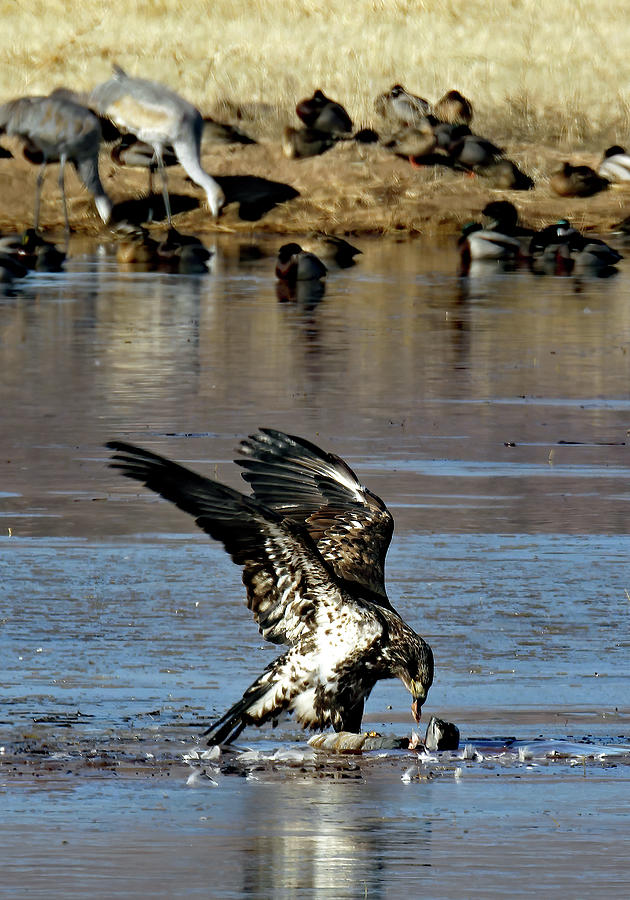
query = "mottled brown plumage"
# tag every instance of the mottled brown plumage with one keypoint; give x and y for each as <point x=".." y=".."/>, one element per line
<point x="312" y="543"/>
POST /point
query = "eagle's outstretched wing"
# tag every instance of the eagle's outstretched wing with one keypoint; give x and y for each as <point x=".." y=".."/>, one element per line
<point x="351" y="526"/>
<point x="288" y="583"/>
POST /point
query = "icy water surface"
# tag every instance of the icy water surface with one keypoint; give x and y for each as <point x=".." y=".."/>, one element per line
<point x="491" y="414"/>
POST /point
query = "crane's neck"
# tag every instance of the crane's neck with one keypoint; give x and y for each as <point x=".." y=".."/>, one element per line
<point x="87" y="167"/>
<point x="188" y="155"/>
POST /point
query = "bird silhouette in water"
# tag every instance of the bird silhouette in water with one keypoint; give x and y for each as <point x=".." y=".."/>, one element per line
<point x="311" y="541"/>
<point x="56" y="129"/>
<point x="159" y="116"/>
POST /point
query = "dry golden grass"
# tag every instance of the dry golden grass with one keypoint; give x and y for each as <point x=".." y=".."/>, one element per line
<point x="553" y="72"/>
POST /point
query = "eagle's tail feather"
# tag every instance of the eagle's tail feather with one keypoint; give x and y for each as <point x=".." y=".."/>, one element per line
<point x="265" y="699"/>
<point x="229" y="726"/>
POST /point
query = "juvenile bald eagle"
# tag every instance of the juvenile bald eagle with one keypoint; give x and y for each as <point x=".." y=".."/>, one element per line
<point x="312" y="543"/>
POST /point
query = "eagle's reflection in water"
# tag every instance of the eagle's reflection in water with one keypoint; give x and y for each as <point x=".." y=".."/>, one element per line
<point x="334" y="838"/>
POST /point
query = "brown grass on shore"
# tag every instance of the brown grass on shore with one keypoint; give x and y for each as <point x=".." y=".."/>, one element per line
<point x="351" y="189"/>
<point x="532" y="70"/>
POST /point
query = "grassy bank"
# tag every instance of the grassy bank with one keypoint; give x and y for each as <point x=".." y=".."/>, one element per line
<point x="550" y="73"/>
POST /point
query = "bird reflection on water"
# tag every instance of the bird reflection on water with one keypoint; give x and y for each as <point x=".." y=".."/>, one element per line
<point x="341" y="843"/>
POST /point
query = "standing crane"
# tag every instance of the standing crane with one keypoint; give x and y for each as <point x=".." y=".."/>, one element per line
<point x="159" y="117"/>
<point x="56" y="129"/>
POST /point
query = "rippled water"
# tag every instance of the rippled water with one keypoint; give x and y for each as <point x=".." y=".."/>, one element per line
<point x="491" y="414"/>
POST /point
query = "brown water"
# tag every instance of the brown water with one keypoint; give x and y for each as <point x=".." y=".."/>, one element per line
<point x="491" y="414"/>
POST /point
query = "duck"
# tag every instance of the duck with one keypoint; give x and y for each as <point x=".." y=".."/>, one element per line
<point x="134" y="245"/>
<point x="10" y="265"/>
<point x="472" y="152"/>
<point x="321" y="113"/>
<point x="478" y="243"/>
<point x="333" y="250"/>
<point x="553" y="235"/>
<point x="184" y="253"/>
<point x="577" y="181"/>
<point x="39" y="254"/>
<point x="401" y="107"/>
<point x="503" y="218"/>
<point x="454" y="109"/>
<point x="563" y="248"/>
<point x="592" y="253"/>
<point x="31" y="251"/>
<point x="218" y="133"/>
<point x="505" y="175"/>
<point x="447" y="133"/>
<point x="615" y="166"/>
<point x="413" y="143"/>
<point x="295" y="264"/>
<point x="301" y="143"/>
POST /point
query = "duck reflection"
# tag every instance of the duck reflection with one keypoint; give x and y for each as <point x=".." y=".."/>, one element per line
<point x="306" y="294"/>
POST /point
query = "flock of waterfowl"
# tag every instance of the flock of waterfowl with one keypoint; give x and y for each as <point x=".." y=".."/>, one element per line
<point x="557" y="249"/>
<point x="153" y="127"/>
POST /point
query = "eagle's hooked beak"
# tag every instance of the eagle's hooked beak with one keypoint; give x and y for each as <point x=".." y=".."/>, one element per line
<point x="418" y="691"/>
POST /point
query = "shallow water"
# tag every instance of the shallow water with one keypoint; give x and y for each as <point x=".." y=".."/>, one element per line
<point x="490" y="413"/>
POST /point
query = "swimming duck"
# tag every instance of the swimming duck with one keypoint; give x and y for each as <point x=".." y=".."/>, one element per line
<point x="615" y="165"/>
<point x="300" y="143"/>
<point x="577" y="181"/>
<point x="453" y="108"/>
<point x="184" y="253"/>
<point x="401" y="107"/>
<point x="11" y="266"/>
<point x="32" y="251"/>
<point x="592" y="253"/>
<point x="564" y="248"/>
<point x="333" y="250"/>
<point x="134" y="245"/>
<point x="503" y="218"/>
<point x="295" y="264"/>
<point x="554" y="235"/>
<point x="477" y="243"/>
<point x="323" y="114"/>
<point x="37" y="253"/>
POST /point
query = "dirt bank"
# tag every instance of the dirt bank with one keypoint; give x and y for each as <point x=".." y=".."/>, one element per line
<point x="356" y="189"/>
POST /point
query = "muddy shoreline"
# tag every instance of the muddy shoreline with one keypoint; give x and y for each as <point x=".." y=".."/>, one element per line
<point x="352" y="189"/>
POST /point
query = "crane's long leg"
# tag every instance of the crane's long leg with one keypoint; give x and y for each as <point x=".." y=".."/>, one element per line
<point x="38" y="191"/>
<point x="152" y="166"/>
<point x="62" y="188"/>
<point x="162" y="168"/>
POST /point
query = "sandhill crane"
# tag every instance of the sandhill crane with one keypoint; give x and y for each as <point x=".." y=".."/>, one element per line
<point x="56" y="129"/>
<point x="159" y="116"/>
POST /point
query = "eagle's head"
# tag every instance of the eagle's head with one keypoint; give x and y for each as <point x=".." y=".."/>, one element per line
<point x="416" y="673"/>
